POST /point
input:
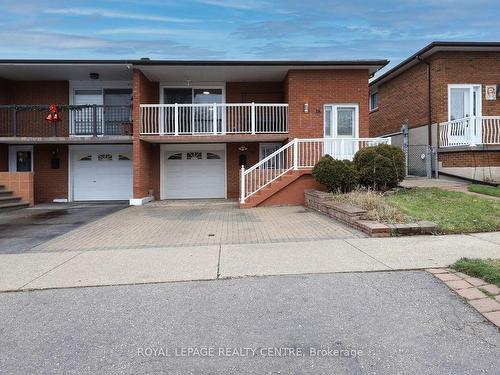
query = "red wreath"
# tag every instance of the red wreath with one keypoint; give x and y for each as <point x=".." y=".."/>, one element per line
<point x="53" y="115"/>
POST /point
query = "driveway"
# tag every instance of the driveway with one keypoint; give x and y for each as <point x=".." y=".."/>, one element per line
<point x="200" y="222"/>
<point x="394" y="323"/>
<point x="21" y="230"/>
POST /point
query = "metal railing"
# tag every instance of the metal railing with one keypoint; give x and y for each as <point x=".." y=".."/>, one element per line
<point x="470" y="131"/>
<point x="76" y="120"/>
<point x="299" y="154"/>
<point x="213" y="119"/>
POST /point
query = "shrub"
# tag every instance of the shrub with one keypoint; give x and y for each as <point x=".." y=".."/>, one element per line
<point x="336" y="175"/>
<point x="381" y="167"/>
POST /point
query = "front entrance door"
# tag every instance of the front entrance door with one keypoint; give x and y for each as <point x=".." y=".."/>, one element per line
<point x="341" y="126"/>
<point x="464" y="102"/>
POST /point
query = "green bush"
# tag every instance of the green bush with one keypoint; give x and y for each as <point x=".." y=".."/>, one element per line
<point x="381" y="167"/>
<point x="336" y="175"/>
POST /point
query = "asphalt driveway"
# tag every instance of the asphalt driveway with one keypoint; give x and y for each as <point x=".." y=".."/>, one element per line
<point x="390" y="322"/>
<point x="21" y="230"/>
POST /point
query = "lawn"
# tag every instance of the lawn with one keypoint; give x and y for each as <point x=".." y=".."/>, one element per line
<point x="453" y="212"/>
<point x="485" y="189"/>
<point x="488" y="270"/>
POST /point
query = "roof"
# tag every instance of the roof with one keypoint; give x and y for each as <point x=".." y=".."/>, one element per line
<point x="429" y="50"/>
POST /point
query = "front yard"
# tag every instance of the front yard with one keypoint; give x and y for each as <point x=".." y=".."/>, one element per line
<point x="494" y="191"/>
<point x="453" y="212"/>
<point x="486" y="269"/>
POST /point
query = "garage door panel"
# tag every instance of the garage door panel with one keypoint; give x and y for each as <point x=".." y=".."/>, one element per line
<point x="97" y="178"/>
<point x="194" y="178"/>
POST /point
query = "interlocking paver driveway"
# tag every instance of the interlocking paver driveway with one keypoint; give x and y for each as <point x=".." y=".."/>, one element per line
<point x="187" y="223"/>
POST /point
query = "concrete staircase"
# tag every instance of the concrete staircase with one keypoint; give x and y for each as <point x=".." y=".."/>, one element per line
<point x="274" y="187"/>
<point x="8" y="201"/>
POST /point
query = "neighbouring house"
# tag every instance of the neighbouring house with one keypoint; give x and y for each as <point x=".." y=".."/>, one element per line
<point x="145" y="129"/>
<point x="448" y="93"/>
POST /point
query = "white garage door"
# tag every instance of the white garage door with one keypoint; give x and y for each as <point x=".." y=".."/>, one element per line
<point x="194" y="174"/>
<point x="102" y="172"/>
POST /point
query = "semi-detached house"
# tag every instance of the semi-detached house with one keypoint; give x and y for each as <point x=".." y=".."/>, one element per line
<point x="145" y="129"/>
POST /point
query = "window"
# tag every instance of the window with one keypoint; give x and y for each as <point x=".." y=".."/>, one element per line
<point x="23" y="161"/>
<point x="345" y="121"/>
<point x="177" y="156"/>
<point x="211" y="155"/>
<point x="341" y="120"/>
<point x="373" y="101"/>
<point x="20" y="158"/>
<point x="193" y="155"/>
<point x="84" y="157"/>
<point x="104" y="157"/>
<point x="123" y="157"/>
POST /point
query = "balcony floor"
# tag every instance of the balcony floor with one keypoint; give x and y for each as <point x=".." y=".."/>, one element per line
<point x="65" y="140"/>
<point x="215" y="138"/>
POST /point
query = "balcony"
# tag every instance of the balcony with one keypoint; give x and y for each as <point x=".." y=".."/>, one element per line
<point x="470" y="131"/>
<point x="29" y="121"/>
<point x="213" y="119"/>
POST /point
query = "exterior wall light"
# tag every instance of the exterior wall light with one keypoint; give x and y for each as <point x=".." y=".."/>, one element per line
<point x="306" y="107"/>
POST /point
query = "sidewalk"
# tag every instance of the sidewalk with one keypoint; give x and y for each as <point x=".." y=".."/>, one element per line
<point x="164" y="264"/>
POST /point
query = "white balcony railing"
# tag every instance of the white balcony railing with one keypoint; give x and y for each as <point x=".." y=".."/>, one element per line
<point x="213" y="119"/>
<point x="470" y="131"/>
<point x="299" y="154"/>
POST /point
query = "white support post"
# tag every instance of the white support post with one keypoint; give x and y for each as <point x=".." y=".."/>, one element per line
<point x="295" y="154"/>
<point x="342" y="149"/>
<point x="162" y="120"/>
<point x="472" y="138"/>
<point x="214" y="117"/>
<point x="242" y="184"/>
<point x="176" y="119"/>
<point x="253" y="118"/>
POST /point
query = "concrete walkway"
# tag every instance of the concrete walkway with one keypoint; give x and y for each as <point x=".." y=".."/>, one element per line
<point x="162" y="264"/>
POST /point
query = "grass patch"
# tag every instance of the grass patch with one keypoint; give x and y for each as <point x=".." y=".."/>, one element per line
<point x="485" y="189"/>
<point x="453" y="212"/>
<point x="374" y="203"/>
<point x="488" y="270"/>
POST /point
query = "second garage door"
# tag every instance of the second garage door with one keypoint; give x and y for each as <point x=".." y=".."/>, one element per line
<point x="194" y="174"/>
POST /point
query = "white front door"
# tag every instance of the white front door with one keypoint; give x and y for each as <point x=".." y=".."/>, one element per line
<point x="101" y="172"/>
<point x="464" y="103"/>
<point x="194" y="173"/>
<point x="341" y="124"/>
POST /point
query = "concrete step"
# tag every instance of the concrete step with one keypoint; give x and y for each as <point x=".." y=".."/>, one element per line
<point x="4" y="192"/>
<point x="13" y="206"/>
<point x="9" y="199"/>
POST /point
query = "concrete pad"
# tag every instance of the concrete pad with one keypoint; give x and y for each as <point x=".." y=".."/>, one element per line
<point x="294" y="258"/>
<point x="489" y="236"/>
<point x="17" y="270"/>
<point x="133" y="266"/>
<point x="425" y="251"/>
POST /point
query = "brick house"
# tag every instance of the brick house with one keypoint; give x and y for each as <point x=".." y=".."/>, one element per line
<point x="142" y="130"/>
<point x="449" y="95"/>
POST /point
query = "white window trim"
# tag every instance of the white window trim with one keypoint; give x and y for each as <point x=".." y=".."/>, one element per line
<point x="192" y="86"/>
<point x="164" y="148"/>
<point x="466" y="86"/>
<point x="13" y="157"/>
<point x="334" y="123"/>
<point x="370" y="100"/>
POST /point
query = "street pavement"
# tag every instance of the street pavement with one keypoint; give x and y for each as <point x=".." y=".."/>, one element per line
<point x="358" y="323"/>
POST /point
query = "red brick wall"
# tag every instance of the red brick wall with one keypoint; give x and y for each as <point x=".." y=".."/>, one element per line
<point x="258" y="92"/>
<point x="233" y="168"/>
<point x="4" y="158"/>
<point x="144" y="91"/>
<point x="49" y="183"/>
<point x="470" y="159"/>
<point x="37" y="92"/>
<point x="403" y="98"/>
<point x="293" y="194"/>
<point x="319" y="87"/>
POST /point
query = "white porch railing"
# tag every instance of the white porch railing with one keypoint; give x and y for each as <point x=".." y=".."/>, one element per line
<point x="213" y="119"/>
<point x="470" y="131"/>
<point x="299" y="154"/>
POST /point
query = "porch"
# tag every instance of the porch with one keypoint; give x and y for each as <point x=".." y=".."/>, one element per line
<point x="470" y="131"/>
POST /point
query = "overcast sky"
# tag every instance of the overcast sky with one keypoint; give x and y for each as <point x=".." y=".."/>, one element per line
<point x="239" y="29"/>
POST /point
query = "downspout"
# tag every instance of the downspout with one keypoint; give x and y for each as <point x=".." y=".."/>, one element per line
<point x="429" y="101"/>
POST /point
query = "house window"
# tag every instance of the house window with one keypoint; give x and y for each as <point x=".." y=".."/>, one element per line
<point x="85" y="158"/>
<point x="123" y="157"/>
<point x="373" y="101"/>
<point x="23" y="161"/>
<point x="211" y="155"/>
<point x="104" y="157"/>
<point x="193" y="155"/>
<point x="177" y="156"/>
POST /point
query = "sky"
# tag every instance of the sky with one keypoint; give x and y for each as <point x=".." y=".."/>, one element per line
<point x="239" y="29"/>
